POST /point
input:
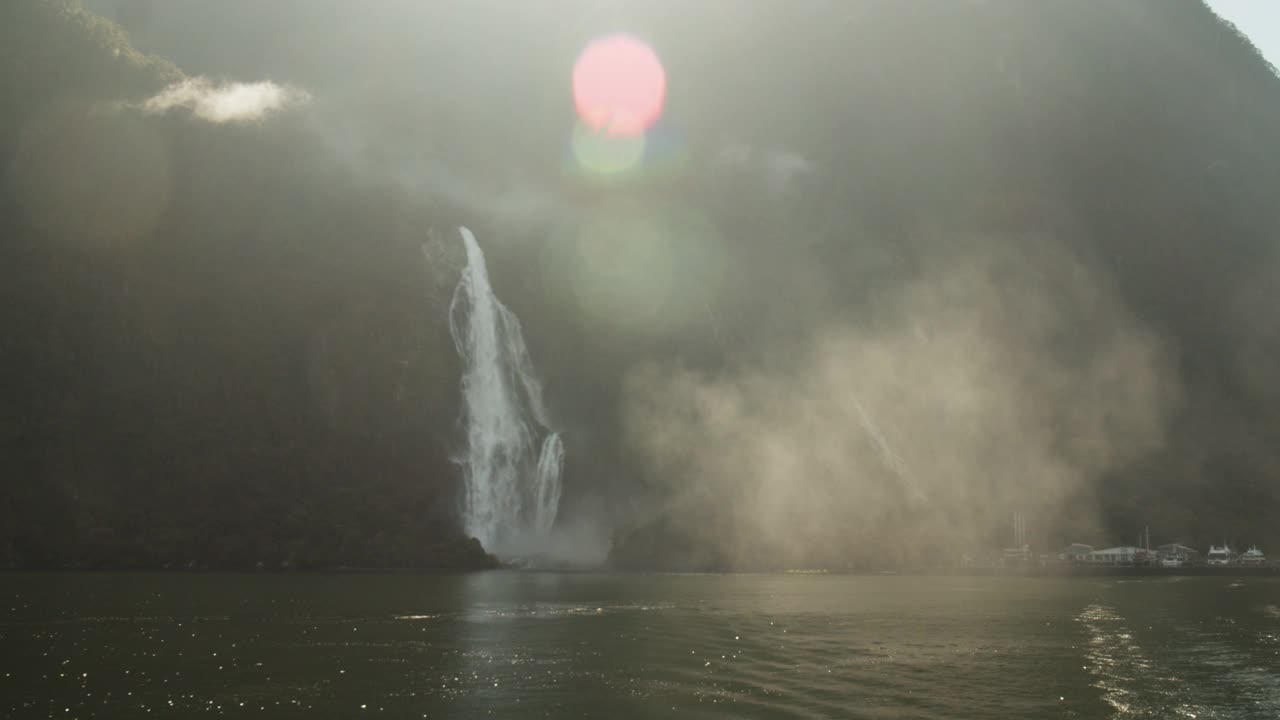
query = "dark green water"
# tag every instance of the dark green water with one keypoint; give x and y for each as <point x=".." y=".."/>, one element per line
<point x="505" y="644"/>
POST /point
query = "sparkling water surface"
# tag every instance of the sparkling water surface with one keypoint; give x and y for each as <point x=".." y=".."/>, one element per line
<point x="512" y="644"/>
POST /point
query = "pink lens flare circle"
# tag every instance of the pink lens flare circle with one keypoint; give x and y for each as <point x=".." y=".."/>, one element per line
<point x="619" y="86"/>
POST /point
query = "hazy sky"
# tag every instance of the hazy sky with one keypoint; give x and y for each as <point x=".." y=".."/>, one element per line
<point x="1259" y="19"/>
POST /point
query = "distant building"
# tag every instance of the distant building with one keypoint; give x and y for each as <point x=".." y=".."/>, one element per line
<point x="1121" y="555"/>
<point x="1075" y="553"/>
<point x="1018" y="556"/>
<point x="1176" y="555"/>
<point x="1219" y="555"/>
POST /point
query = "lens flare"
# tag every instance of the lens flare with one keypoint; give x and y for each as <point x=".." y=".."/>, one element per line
<point x="595" y="159"/>
<point x="619" y="86"/>
<point x="644" y="267"/>
<point x="601" y="154"/>
<point x="622" y="273"/>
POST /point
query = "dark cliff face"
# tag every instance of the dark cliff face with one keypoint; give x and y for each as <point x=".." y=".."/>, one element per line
<point x="220" y="348"/>
<point x="920" y="265"/>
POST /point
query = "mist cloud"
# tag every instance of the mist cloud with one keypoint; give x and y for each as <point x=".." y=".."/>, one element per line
<point x="777" y="169"/>
<point x="1004" y="377"/>
<point x="225" y="102"/>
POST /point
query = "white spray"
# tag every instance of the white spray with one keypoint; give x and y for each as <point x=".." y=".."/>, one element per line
<point x="513" y="459"/>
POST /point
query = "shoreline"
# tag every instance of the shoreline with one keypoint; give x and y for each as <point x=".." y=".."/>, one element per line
<point x="1117" y="571"/>
<point x="1050" y="571"/>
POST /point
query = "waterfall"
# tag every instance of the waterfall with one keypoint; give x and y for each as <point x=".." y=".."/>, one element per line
<point x="547" y="484"/>
<point x="513" y="459"/>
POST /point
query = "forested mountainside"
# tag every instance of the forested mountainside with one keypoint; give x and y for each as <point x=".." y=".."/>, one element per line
<point x="218" y="345"/>
<point x="911" y="267"/>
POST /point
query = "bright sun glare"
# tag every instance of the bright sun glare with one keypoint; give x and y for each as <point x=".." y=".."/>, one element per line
<point x="619" y="92"/>
<point x="619" y="86"/>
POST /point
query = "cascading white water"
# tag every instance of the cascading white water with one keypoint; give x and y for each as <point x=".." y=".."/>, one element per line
<point x="513" y="459"/>
<point x="550" y="463"/>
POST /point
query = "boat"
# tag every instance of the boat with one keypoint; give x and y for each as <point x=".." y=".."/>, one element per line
<point x="1219" y="555"/>
<point x="1253" y="556"/>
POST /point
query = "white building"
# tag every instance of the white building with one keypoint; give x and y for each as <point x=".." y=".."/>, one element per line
<point x="1121" y="555"/>
<point x="1075" y="553"/>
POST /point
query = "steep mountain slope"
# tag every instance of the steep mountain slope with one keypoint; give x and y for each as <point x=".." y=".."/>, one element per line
<point x="216" y="343"/>
<point x="914" y="267"/>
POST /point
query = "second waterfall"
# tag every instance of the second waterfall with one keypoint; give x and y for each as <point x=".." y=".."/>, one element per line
<point x="513" y="458"/>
